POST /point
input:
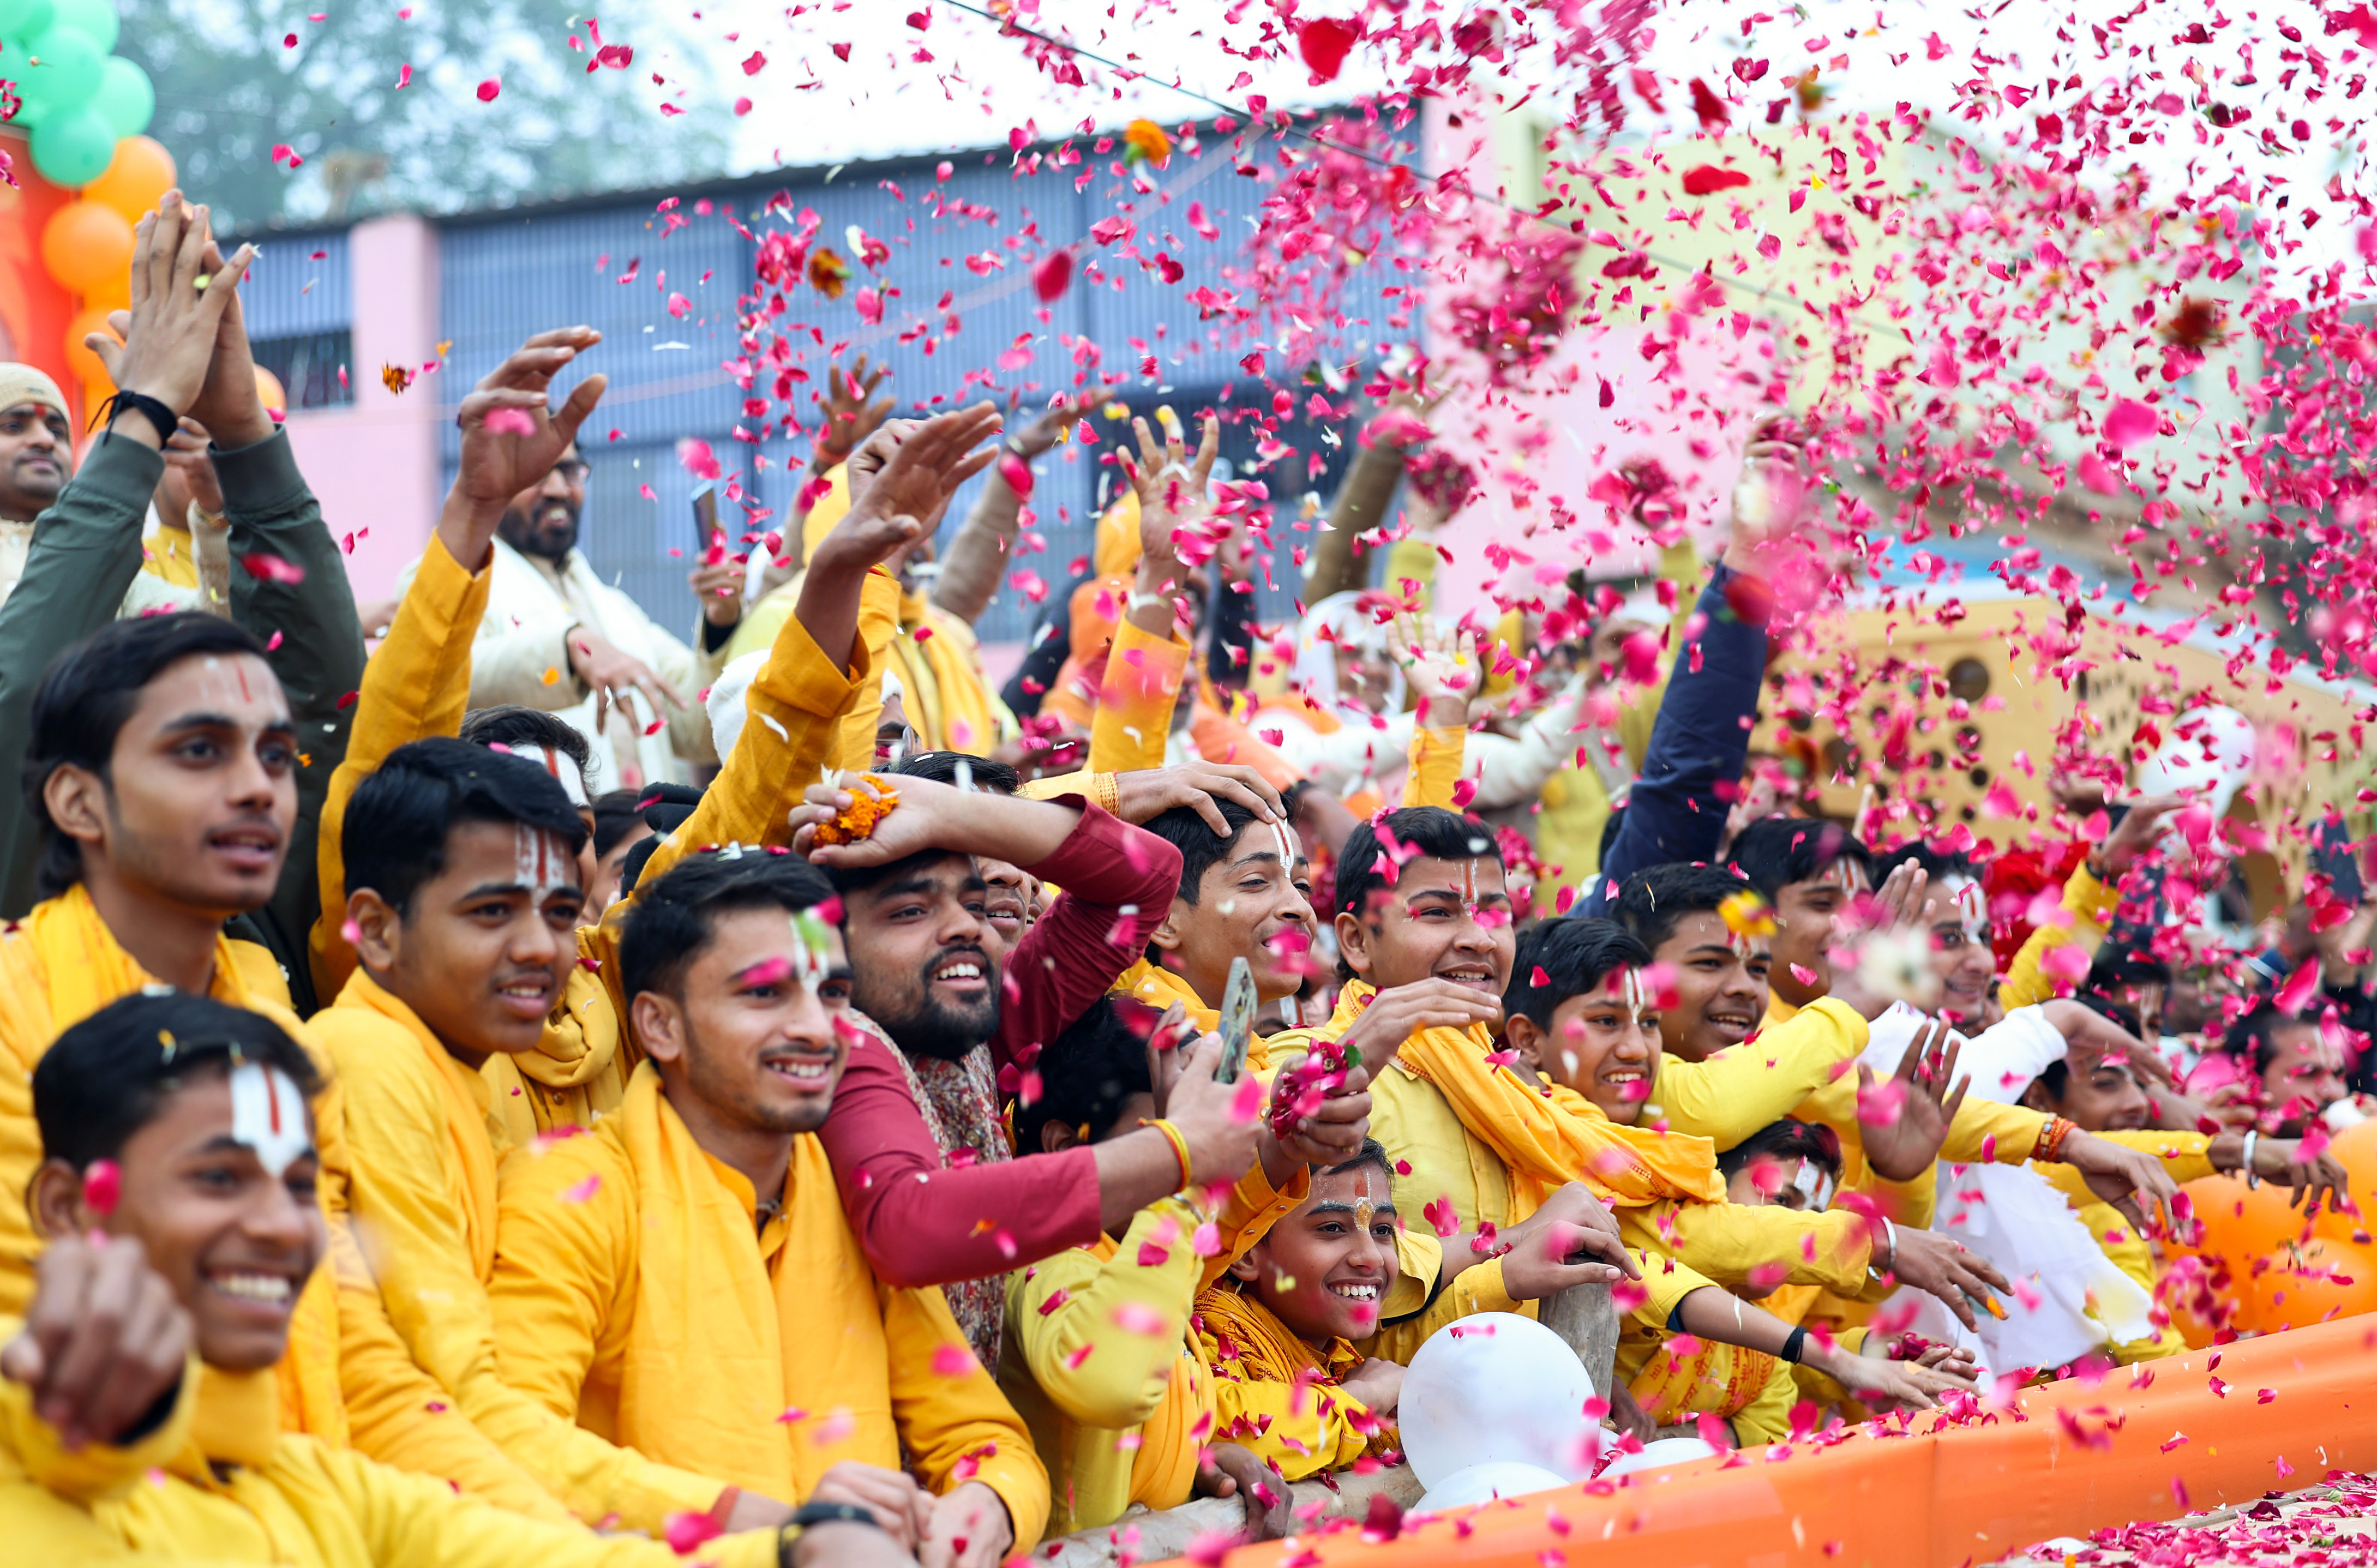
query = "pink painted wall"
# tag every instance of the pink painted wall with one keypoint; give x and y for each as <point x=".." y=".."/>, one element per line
<point x="375" y="463"/>
<point x="1545" y="441"/>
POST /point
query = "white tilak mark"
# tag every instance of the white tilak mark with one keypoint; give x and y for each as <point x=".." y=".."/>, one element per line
<point x="268" y="1114"/>
<point x="1636" y="999"/>
<point x="538" y="861"/>
<point x="565" y="770"/>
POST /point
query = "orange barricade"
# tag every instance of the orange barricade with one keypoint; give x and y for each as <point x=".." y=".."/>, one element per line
<point x="2088" y="1455"/>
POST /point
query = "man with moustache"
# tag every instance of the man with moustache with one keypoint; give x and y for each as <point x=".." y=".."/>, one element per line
<point x="557" y="637"/>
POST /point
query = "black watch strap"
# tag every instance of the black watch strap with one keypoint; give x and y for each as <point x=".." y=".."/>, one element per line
<point x="812" y="1514"/>
<point x="167" y="422"/>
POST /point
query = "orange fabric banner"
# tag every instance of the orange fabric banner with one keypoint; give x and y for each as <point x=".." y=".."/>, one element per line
<point x="2084" y="1457"/>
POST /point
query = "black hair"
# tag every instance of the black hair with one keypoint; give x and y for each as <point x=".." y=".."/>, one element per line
<point x="87" y="696"/>
<point x="1089" y="1072"/>
<point x="1431" y="829"/>
<point x="109" y="1077"/>
<point x="2257" y="1032"/>
<point x="672" y="920"/>
<point x="1785" y="1140"/>
<point x="1780" y="851"/>
<point x="1575" y="954"/>
<point x="2057" y="1078"/>
<point x="509" y="724"/>
<point x="666" y="808"/>
<point x="1200" y="848"/>
<point x="1371" y="1152"/>
<point x="942" y="766"/>
<point x="1936" y="863"/>
<point x="2125" y="965"/>
<point x="1650" y="901"/>
<point x="2105" y="1007"/>
<point x="617" y="814"/>
<point x="400" y="817"/>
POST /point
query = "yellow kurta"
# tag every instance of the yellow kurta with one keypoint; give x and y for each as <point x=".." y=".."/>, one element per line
<point x="1096" y="1362"/>
<point x="423" y="1144"/>
<point x="59" y="965"/>
<point x="1751" y="1389"/>
<point x="218" y="1483"/>
<point x="2084" y="918"/>
<point x="1277" y="1395"/>
<point x="635" y="1293"/>
<point x="2188" y="1157"/>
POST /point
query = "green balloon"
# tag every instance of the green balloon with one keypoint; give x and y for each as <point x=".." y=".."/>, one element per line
<point x="95" y="20"/>
<point x="30" y="111"/>
<point x="125" y="98"/>
<point x="73" y="149"/>
<point x="62" y="71"/>
<point x="25" y="18"/>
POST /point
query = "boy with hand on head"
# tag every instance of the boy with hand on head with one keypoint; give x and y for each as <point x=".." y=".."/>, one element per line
<point x="138" y="1415"/>
<point x="1245" y="891"/>
<point x="681" y="1280"/>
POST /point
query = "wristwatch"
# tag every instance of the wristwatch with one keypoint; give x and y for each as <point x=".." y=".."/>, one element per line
<point x="810" y="1514"/>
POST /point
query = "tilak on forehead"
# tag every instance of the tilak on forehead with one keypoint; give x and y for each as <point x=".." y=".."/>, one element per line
<point x="1629" y="986"/>
<point x="1367" y="1200"/>
<point x="540" y="864"/>
<point x="268" y="1114"/>
<point x="1972" y="906"/>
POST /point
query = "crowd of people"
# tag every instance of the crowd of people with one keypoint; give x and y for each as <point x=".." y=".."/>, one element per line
<point x="552" y="1091"/>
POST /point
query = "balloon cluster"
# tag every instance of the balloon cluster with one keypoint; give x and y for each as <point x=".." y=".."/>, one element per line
<point x="77" y="98"/>
<point x="86" y="245"/>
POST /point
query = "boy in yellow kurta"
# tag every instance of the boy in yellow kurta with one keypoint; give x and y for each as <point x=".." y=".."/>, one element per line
<point x="681" y="1280"/>
<point x="174" y="1454"/>
<point x="1095" y="1357"/>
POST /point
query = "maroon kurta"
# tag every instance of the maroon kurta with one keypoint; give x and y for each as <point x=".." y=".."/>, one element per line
<point x="922" y="1224"/>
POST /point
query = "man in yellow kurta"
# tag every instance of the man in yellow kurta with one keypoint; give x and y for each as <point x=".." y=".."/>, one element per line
<point x="681" y="1280"/>
<point x="175" y="1453"/>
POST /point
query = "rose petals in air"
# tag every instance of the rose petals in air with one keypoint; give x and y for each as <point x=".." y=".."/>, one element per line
<point x="1708" y="179"/>
<point x="508" y="422"/>
<point x="103" y="1187"/>
<point x="489" y="89"/>
<point x="1016" y="474"/>
<point x="1324" y="43"/>
<point x="1137" y="1317"/>
<point x="579" y="1192"/>
<point x="953" y="1362"/>
<point x="2128" y="423"/>
<point x="688" y="1530"/>
<point x="273" y="568"/>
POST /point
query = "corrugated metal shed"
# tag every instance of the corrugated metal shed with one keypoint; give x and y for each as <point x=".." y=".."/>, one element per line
<point x="952" y="239"/>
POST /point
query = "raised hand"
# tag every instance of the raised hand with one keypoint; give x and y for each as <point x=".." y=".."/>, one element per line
<point x="1900" y="912"/>
<point x="718" y="586"/>
<point x="1903" y="1122"/>
<point x="1570" y="1239"/>
<point x="1439" y="666"/>
<point x="613" y="676"/>
<point x="1044" y="432"/>
<point x="505" y="454"/>
<point x="1170" y="490"/>
<point x="1220" y="1123"/>
<point x="173" y="330"/>
<point x="2136" y="831"/>
<point x="847" y="417"/>
<point x="104" y="1339"/>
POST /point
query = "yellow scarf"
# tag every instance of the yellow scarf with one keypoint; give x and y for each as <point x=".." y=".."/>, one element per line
<point x="578" y="1072"/>
<point x="724" y="1347"/>
<point x="468" y="1146"/>
<point x="1244" y="1340"/>
<point x="79" y="968"/>
<point x="948" y="704"/>
<point x="1159" y="987"/>
<point x="1545" y="1140"/>
<point x="233" y="1424"/>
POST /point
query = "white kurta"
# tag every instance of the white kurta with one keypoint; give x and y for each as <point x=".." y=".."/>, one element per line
<point x="532" y="603"/>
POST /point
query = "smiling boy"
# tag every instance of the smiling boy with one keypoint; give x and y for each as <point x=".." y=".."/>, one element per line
<point x="178" y="1194"/>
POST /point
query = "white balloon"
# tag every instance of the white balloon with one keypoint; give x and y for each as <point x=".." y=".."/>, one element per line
<point x="2211" y="765"/>
<point x="1496" y="1387"/>
<point x="1484" y="1483"/>
<point x="1657" y="1456"/>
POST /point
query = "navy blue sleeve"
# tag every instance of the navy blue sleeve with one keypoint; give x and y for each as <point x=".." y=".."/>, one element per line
<point x="1699" y="745"/>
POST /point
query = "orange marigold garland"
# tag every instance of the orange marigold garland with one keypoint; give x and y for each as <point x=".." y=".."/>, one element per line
<point x="856" y="821"/>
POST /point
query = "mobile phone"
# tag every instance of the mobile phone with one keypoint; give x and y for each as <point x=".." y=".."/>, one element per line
<point x="705" y="519"/>
<point x="1237" y="1022"/>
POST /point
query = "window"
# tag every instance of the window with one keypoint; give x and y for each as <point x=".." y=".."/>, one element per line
<point x="308" y="366"/>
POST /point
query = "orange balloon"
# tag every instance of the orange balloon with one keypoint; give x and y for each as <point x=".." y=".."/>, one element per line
<point x="85" y="365"/>
<point x="86" y="246"/>
<point x="2264" y="1266"/>
<point x="270" y="391"/>
<point x="141" y="173"/>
